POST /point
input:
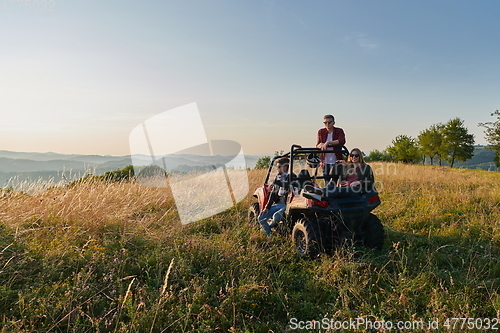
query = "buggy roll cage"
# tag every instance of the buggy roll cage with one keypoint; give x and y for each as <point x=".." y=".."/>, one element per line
<point x="297" y="150"/>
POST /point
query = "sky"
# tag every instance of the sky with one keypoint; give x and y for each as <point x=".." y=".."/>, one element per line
<point x="77" y="77"/>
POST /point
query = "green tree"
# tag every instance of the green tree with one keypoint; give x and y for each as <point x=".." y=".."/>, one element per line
<point x="404" y="149"/>
<point x="492" y="133"/>
<point x="126" y="173"/>
<point x="430" y="141"/>
<point x="377" y="155"/>
<point x="264" y="162"/>
<point x="458" y="144"/>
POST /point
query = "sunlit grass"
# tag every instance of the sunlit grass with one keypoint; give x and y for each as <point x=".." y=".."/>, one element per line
<point x="114" y="257"/>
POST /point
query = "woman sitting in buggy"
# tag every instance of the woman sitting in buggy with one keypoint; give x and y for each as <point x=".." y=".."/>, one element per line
<point x="355" y="176"/>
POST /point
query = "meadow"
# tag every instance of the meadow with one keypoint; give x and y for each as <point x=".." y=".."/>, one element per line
<point x="113" y="257"/>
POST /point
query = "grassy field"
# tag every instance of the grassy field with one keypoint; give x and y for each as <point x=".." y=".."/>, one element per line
<point x="113" y="257"/>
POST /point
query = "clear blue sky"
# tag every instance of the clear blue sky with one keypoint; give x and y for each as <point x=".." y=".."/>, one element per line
<point x="79" y="78"/>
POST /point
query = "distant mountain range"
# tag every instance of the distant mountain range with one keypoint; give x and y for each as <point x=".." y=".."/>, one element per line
<point x="482" y="159"/>
<point x="16" y="167"/>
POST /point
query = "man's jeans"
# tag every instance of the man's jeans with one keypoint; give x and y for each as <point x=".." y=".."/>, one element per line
<point x="276" y="212"/>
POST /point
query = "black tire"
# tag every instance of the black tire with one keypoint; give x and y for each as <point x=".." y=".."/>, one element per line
<point x="283" y="228"/>
<point x="374" y="233"/>
<point x="253" y="213"/>
<point x="306" y="238"/>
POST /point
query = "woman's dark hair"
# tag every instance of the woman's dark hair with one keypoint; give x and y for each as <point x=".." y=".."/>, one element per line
<point x="283" y="160"/>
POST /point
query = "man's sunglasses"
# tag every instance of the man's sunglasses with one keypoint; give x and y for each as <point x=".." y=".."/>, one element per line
<point x="328" y="122"/>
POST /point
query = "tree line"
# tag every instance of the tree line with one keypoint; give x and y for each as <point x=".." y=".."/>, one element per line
<point x="449" y="142"/>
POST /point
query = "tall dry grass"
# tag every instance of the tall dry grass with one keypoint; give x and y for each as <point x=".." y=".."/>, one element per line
<point x="114" y="257"/>
<point x="440" y="200"/>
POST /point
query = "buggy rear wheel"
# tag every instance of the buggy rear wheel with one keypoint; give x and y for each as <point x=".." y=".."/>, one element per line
<point x="306" y="239"/>
<point x="374" y="233"/>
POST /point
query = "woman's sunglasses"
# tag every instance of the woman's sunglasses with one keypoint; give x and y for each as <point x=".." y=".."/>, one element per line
<point x="354" y="155"/>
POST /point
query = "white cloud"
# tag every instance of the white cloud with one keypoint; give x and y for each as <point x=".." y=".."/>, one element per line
<point x="361" y="40"/>
<point x="366" y="43"/>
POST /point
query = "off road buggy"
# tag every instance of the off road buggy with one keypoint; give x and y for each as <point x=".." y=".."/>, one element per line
<point x="342" y="215"/>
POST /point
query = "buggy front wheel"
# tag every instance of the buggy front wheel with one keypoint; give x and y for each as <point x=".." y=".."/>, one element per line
<point x="306" y="239"/>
